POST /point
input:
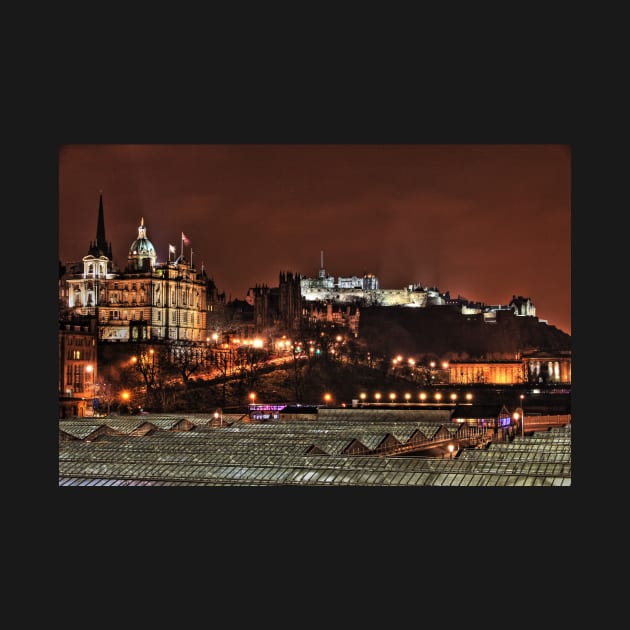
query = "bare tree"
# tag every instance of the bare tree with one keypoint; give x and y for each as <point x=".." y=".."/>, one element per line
<point x="223" y="359"/>
<point x="298" y="370"/>
<point x="188" y="357"/>
<point x="153" y="364"/>
<point x="250" y="361"/>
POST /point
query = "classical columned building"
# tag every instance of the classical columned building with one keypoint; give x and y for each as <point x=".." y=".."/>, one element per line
<point x="538" y="367"/>
<point x="486" y="372"/>
<point x="548" y="367"/>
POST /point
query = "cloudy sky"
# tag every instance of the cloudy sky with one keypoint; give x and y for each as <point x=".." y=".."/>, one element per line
<point x="482" y="221"/>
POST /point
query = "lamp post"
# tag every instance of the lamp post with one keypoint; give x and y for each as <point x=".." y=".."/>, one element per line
<point x="451" y="448"/>
<point x="125" y="397"/>
<point x="518" y="417"/>
<point x="522" y="397"/>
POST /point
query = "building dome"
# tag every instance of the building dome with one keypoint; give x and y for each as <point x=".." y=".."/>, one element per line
<point x="141" y="252"/>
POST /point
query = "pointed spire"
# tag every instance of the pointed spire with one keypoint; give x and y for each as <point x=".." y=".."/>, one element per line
<point x="100" y="247"/>
<point x="100" y="228"/>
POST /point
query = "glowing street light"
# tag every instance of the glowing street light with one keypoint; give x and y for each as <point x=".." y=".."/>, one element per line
<point x="252" y="397"/>
<point x="453" y="396"/>
<point x="392" y="397"/>
<point x="407" y="397"/>
<point x="438" y="396"/>
<point x="125" y="395"/>
<point x="517" y="417"/>
<point x="377" y="396"/>
<point x="423" y="396"/>
<point x="327" y="398"/>
<point x="451" y="448"/>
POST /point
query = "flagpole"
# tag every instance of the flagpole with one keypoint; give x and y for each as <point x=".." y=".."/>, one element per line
<point x="182" y="249"/>
<point x="191" y="253"/>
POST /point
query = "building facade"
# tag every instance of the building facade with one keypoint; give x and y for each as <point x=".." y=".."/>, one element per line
<point x="77" y="367"/>
<point x="147" y="300"/>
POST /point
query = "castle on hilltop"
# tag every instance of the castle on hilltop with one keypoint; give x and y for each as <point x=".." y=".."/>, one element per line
<point x="363" y="291"/>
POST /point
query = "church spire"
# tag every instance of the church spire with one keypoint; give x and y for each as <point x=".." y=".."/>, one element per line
<point x="100" y="229"/>
<point x="101" y="247"/>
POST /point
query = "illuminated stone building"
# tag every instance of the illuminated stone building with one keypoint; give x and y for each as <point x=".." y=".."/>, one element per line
<point x="77" y="368"/>
<point x="147" y="300"/>
<point x="545" y="368"/>
<point x="495" y="372"/>
<point x="365" y="291"/>
<point x="532" y="368"/>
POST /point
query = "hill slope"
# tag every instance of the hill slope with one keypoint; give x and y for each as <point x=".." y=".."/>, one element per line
<point x="442" y="330"/>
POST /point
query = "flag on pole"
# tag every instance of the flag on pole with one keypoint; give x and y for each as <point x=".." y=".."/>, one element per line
<point x="185" y="239"/>
<point x="171" y="249"/>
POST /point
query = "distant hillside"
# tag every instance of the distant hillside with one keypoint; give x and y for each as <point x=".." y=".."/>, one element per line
<point x="442" y="330"/>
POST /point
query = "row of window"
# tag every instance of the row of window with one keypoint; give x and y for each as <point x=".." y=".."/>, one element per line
<point x="80" y="355"/>
<point x="195" y="318"/>
<point x="77" y="376"/>
<point x="79" y="341"/>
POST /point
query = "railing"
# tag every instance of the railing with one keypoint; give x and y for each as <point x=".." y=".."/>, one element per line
<point x="541" y="423"/>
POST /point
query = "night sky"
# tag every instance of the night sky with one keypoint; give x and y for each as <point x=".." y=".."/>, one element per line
<point x="482" y="221"/>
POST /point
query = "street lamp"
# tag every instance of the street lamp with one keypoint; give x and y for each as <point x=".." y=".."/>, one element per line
<point x="377" y="396"/>
<point x="518" y="417"/>
<point x="125" y="395"/>
<point x="327" y="398"/>
<point x="252" y="397"/>
<point x="362" y="396"/>
<point x="392" y="397"/>
<point x="522" y="397"/>
<point x="451" y="448"/>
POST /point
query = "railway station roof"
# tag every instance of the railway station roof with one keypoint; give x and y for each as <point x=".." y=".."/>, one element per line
<point x="298" y="452"/>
